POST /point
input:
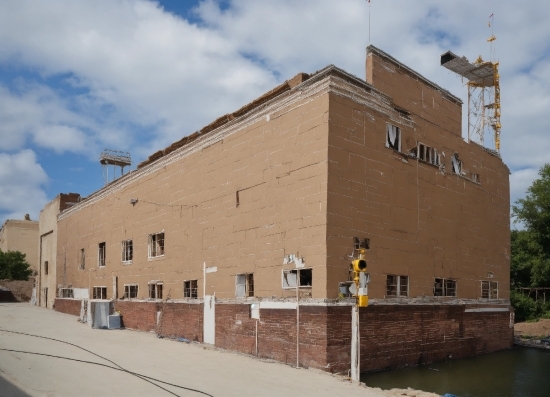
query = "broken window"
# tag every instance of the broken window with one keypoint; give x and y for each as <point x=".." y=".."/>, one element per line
<point x="66" y="293"/>
<point x="444" y="287"/>
<point x="292" y="280"/>
<point x="244" y="285"/>
<point x="101" y="255"/>
<point x="82" y="259"/>
<point x="475" y="178"/>
<point x="130" y="291"/>
<point x="427" y="154"/>
<point x="99" y="293"/>
<point x="46" y="268"/>
<point x="397" y="285"/>
<point x="393" y="137"/>
<point x="456" y="164"/>
<point x="489" y="289"/>
<point x="156" y="245"/>
<point x="361" y="244"/>
<point x="155" y="290"/>
<point x="190" y="289"/>
<point x="127" y="251"/>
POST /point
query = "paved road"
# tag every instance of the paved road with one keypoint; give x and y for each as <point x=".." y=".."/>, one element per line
<point x="194" y="366"/>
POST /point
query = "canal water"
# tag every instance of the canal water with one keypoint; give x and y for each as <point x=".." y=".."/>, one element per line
<point x="519" y="372"/>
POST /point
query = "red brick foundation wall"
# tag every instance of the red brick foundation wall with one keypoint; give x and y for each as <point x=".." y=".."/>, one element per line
<point x="138" y="315"/>
<point x="68" y="306"/>
<point x="398" y="335"/>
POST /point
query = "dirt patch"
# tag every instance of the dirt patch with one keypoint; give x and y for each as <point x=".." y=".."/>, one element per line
<point x="405" y="392"/>
<point x="537" y="329"/>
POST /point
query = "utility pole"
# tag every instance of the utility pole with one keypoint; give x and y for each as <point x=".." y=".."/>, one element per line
<point x="359" y="289"/>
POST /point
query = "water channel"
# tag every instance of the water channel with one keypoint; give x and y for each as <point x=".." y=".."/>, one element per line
<point x="519" y="372"/>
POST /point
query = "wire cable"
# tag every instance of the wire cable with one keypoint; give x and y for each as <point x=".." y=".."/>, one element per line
<point x="120" y="368"/>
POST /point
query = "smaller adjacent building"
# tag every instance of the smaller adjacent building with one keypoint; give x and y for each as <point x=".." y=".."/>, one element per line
<point x="21" y="235"/>
<point x="46" y="241"/>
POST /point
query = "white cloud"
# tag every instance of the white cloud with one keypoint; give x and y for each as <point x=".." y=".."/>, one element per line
<point x="21" y="182"/>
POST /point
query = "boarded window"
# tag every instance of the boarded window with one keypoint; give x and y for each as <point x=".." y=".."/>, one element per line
<point x="444" y="287"/>
<point x="292" y="280"/>
<point x="101" y="254"/>
<point x="99" y="293"/>
<point x="82" y="259"/>
<point x="489" y="289"/>
<point x="397" y="285"/>
<point x="190" y="289"/>
<point x="127" y="251"/>
<point x="393" y="137"/>
<point x="130" y="291"/>
<point x="244" y="285"/>
<point x="155" y="290"/>
<point x="156" y="245"/>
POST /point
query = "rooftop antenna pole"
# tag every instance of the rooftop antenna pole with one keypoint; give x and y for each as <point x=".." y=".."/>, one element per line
<point x="368" y="1"/>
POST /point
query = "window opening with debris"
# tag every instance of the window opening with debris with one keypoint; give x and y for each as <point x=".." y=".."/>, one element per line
<point x="127" y="251"/>
<point x="290" y="277"/>
<point x="244" y="285"/>
<point x="427" y="154"/>
<point x="45" y="268"/>
<point x="156" y="245"/>
<point x="444" y="287"/>
<point x="66" y="293"/>
<point x="130" y="291"/>
<point x="456" y="164"/>
<point x="489" y="289"/>
<point x="82" y="259"/>
<point x="475" y="178"/>
<point x="190" y="289"/>
<point x="397" y="285"/>
<point x="101" y="255"/>
<point x="99" y="293"/>
<point x="155" y="289"/>
<point x="393" y="137"/>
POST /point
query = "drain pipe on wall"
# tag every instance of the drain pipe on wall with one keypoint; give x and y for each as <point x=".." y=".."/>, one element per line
<point x="297" y="318"/>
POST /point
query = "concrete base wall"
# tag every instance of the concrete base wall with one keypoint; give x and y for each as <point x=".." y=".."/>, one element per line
<point x="391" y="335"/>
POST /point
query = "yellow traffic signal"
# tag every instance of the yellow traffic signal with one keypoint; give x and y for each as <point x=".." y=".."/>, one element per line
<point x="359" y="265"/>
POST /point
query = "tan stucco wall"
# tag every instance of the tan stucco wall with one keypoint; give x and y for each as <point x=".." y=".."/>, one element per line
<point x="422" y="222"/>
<point x="276" y="158"/>
<point x="21" y="236"/>
<point x="47" y="252"/>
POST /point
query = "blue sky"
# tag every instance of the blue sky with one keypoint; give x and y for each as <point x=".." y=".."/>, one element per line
<point x="136" y="75"/>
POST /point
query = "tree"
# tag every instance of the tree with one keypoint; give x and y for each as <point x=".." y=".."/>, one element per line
<point x="531" y="247"/>
<point x="13" y="266"/>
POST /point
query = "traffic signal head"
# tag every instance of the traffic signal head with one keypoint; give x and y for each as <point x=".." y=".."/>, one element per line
<point x="359" y="265"/>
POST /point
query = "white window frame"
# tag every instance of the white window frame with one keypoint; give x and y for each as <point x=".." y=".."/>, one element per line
<point x="398" y="286"/>
<point x="390" y="128"/>
<point x="102" y="254"/>
<point x="153" y="286"/>
<point x="127" y="291"/>
<point x="125" y="244"/>
<point x="489" y="288"/>
<point x="287" y="272"/>
<point x="188" y="292"/>
<point x="102" y="289"/>
<point x="150" y="249"/>
<point x="248" y="291"/>
<point x="66" y="293"/>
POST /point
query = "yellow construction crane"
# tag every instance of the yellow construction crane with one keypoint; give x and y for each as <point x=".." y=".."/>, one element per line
<point x="483" y="93"/>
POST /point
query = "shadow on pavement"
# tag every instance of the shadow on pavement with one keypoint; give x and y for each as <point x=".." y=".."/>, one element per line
<point x="8" y="389"/>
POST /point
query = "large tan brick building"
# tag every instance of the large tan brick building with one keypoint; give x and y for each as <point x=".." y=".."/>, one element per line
<point x="21" y="235"/>
<point x="282" y="187"/>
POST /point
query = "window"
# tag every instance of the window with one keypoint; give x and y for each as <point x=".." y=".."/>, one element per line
<point x="66" y="293"/>
<point x="190" y="289"/>
<point x="46" y="268"/>
<point x="99" y="293"/>
<point x="457" y="164"/>
<point x="475" y="178"/>
<point x="130" y="291"/>
<point x="427" y="154"/>
<point x="244" y="285"/>
<point x="82" y="259"/>
<point x="127" y="251"/>
<point x="489" y="289"/>
<point x="444" y="287"/>
<point x="393" y="137"/>
<point x="290" y="277"/>
<point x="101" y="255"/>
<point x="156" y="245"/>
<point x="397" y="285"/>
<point x="155" y="290"/>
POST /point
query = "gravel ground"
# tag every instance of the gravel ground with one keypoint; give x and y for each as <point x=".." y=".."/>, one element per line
<point x="539" y="329"/>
